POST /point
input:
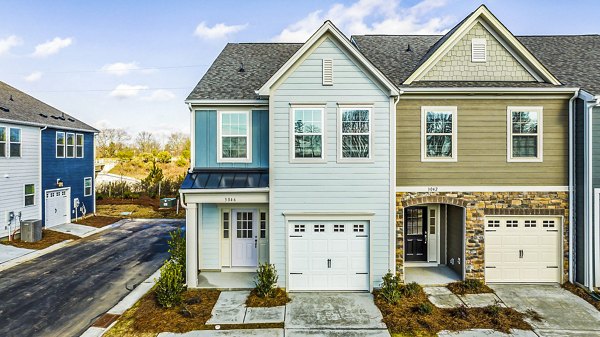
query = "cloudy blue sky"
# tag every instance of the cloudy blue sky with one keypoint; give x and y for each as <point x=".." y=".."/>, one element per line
<point x="130" y="64"/>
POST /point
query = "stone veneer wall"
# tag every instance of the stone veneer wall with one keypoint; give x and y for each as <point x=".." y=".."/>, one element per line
<point x="456" y="65"/>
<point x="478" y="205"/>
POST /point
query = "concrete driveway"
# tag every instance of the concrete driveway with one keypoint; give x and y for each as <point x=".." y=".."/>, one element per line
<point x="564" y="314"/>
<point x="333" y="314"/>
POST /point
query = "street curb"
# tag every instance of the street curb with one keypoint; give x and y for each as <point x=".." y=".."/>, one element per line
<point x="127" y="302"/>
<point x="35" y="254"/>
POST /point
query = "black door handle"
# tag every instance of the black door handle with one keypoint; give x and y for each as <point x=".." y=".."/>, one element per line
<point x="328" y="263"/>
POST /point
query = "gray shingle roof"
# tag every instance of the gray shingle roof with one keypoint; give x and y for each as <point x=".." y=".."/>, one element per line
<point x="29" y="110"/>
<point x="223" y="80"/>
<point x="573" y="59"/>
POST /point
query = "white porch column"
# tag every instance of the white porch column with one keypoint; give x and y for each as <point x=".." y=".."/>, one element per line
<point x="191" y="245"/>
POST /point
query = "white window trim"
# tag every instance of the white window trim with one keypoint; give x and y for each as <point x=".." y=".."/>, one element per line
<point x="67" y="145"/>
<point x="340" y="157"/>
<point x="540" y="134"/>
<point x="82" y="145"/>
<point x="63" y="145"/>
<point x="9" y="142"/>
<point x="454" y="111"/>
<point x="91" y="186"/>
<point x="293" y="158"/>
<point x="5" y="141"/>
<point x="220" y="158"/>
<point x="25" y="195"/>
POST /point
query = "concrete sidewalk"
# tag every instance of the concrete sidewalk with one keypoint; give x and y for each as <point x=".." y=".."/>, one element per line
<point x="8" y="253"/>
<point x="74" y="229"/>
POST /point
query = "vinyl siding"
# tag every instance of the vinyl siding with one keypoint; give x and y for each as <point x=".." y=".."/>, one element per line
<point x="330" y="186"/>
<point x="210" y="228"/>
<point x="595" y="147"/>
<point x="15" y="173"/>
<point x="71" y="171"/>
<point x="206" y="140"/>
<point x="482" y="145"/>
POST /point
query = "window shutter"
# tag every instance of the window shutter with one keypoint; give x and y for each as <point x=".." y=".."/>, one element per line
<point x="327" y="72"/>
<point x="478" y="50"/>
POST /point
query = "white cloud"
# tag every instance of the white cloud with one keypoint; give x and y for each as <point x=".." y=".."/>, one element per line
<point x="34" y="76"/>
<point x="8" y="43"/>
<point x="52" y="47"/>
<point x="218" y="31"/>
<point x="127" y="91"/>
<point x="160" y="95"/>
<point x="120" y="68"/>
<point x="371" y="17"/>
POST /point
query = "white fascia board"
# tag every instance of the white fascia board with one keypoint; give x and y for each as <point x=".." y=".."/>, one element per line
<point x="10" y="121"/>
<point x="325" y="28"/>
<point x="564" y="90"/>
<point x="210" y="102"/>
<point x="224" y="190"/>
<point x="483" y="12"/>
<point x="434" y="189"/>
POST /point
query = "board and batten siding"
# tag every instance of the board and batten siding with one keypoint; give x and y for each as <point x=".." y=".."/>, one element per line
<point x="210" y="237"/>
<point x="595" y="147"/>
<point x="482" y="145"/>
<point x="15" y="173"/>
<point x="330" y="186"/>
<point x="205" y="139"/>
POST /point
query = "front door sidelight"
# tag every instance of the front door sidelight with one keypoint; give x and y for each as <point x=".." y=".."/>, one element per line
<point x="415" y="233"/>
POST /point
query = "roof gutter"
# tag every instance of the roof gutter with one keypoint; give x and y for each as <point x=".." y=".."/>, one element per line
<point x="10" y="121"/>
<point x="208" y="102"/>
<point x="564" y="90"/>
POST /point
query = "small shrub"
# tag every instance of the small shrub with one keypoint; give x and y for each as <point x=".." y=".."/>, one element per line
<point x="410" y="289"/>
<point x="177" y="248"/>
<point x="181" y="162"/>
<point x="163" y="157"/>
<point x="469" y="287"/>
<point x="390" y="288"/>
<point x="266" y="280"/>
<point x="460" y="312"/>
<point x="169" y="285"/>
<point x="424" y="308"/>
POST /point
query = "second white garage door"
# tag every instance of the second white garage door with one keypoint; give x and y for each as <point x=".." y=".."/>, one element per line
<point x="57" y="207"/>
<point x="522" y="249"/>
<point x="328" y="255"/>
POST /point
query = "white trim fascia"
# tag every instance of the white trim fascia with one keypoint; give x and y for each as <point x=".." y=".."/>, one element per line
<point x="229" y="198"/>
<point x="454" y="111"/>
<point x="499" y="90"/>
<point x="433" y="189"/>
<point x="292" y="133"/>
<point x="328" y="215"/>
<point x="482" y="13"/>
<point x="481" y="97"/>
<point x="41" y="125"/>
<point x="212" y="102"/>
<point x="224" y="190"/>
<point x="540" y="134"/>
<point x="339" y="134"/>
<point x="249" y="144"/>
<point x="393" y="235"/>
<point x="265" y="90"/>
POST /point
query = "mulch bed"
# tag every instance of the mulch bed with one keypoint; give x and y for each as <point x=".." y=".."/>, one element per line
<point x="97" y="221"/>
<point x="579" y="291"/>
<point x="469" y="287"/>
<point x="49" y="238"/>
<point x="143" y="200"/>
<point x="417" y="316"/>
<point x="147" y="318"/>
<point x="280" y="298"/>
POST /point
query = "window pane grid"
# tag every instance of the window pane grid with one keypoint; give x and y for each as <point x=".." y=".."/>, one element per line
<point x="438" y="134"/>
<point x="14" y="142"/>
<point x="525" y="134"/>
<point x="225" y="225"/>
<point x="308" y="133"/>
<point x="234" y="135"/>
<point x="355" y="133"/>
<point x="244" y="225"/>
<point x="29" y="194"/>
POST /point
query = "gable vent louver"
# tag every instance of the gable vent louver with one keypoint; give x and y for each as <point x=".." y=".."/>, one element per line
<point x="327" y="72"/>
<point x="478" y="50"/>
<point x="4" y="109"/>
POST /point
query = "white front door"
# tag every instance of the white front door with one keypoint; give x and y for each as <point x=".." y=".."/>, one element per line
<point x="245" y="240"/>
<point x="57" y="207"/>
<point x="523" y="249"/>
<point x="328" y="255"/>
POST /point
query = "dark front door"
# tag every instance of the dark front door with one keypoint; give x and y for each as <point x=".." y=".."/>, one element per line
<point x="415" y="234"/>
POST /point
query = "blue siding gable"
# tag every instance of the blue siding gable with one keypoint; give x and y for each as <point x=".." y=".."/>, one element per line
<point x="71" y="171"/>
<point x="205" y="140"/>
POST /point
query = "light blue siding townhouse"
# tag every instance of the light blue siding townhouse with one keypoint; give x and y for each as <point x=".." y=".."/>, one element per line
<point x="293" y="164"/>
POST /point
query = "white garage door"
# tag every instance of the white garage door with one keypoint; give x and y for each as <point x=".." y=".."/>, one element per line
<point x="328" y="255"/>
<point x="57" y="207"/>
<point x="522" y="249"/>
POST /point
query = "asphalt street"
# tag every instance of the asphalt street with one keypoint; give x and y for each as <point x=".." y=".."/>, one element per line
<point x="62" y="293"/>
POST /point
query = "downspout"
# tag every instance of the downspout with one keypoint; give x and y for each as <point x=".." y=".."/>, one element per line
<point x="571" y="183"/>
<point x="591" y="251"/>
<point x="393" y="163"/>
<point x="192" y="138"/>
<point x="42" y="194"/>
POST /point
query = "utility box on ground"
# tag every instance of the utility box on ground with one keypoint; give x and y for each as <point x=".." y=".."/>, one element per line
<point x="31" y="230"/>
<point x="168" y="202"/>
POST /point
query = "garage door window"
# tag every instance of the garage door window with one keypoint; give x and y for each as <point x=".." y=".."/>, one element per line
<point x="29" y="195"/>
<point x="338" y="228"/>
<point x="493" y="223"/>
<point x="530" y="223"/>
<point x="299" y="228"/>
<point x="512" y="223"/>
<point x="319" y="228"/>
<point x="548" y="224"/>
<point x="359" y="228"/>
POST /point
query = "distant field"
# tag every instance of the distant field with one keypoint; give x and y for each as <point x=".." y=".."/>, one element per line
<point x="136" y="168"/>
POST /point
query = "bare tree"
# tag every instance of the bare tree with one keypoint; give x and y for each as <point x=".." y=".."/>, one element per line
<point x="177" y="143"/>
<point x="146" y="142"/>
<point x="111" y="141"/>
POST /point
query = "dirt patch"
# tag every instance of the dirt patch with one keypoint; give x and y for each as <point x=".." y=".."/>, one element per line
<point x="279" y="298"/>
<point x="416" y="316"/>
<point x="579" y="291"/>
<point x="142" y="207"/>
<point x="49" y="238"/>
<point x="469" y="287"/>
<point x="98" y="221"/>
<point x="146" y="318"/>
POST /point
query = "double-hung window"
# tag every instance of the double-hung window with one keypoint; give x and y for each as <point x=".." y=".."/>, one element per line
<point x="355" y="133"/>
<point x="525" y="143"/>
<point x="438" y="134"/>
<point x="14" y="143"/>
<point x="70" y="145"/>
<point x="307" y="133"/>
<point x="87" y="186"/>
<point x="234" y="141"/>
<point x="2" y="141"/>
<point x="60" y="145"/>
<point x="79" y="145"/>
<point x="29" y="195"/>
